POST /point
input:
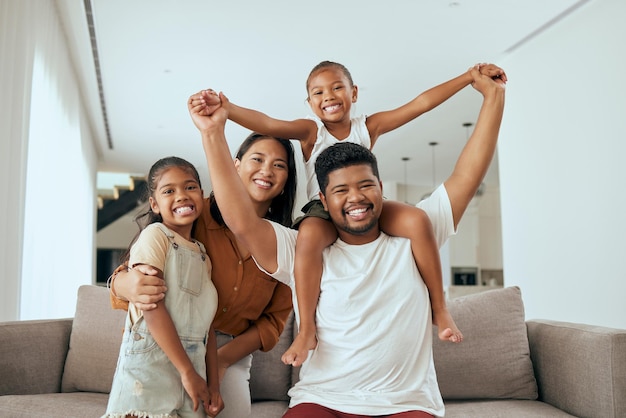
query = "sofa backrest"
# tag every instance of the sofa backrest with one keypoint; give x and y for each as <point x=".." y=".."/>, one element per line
<point x="270" y="378"/>
<point x="97" y="334"/>
<point x="492" y="362"/>
<point x="28" y="367"/>
<point x="94" y="342"/>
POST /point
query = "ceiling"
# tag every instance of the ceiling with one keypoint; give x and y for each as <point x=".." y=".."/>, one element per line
<point x="153" y="54"/>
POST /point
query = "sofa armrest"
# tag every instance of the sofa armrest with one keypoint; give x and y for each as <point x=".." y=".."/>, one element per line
<point x="580" y="369"/>
<point x="32" y="356"/>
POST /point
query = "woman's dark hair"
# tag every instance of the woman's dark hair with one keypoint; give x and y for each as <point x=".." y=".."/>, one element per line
<point x="281" y="208"/>
<point x="147" y="216"/>
<point x="325" y="65"/>
<point x="341" y="155"/>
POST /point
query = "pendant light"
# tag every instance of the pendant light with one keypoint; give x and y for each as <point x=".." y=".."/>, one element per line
<point x="481" y="187"/>
<point x="405" y="160"/>
<point x="432" y="144"/>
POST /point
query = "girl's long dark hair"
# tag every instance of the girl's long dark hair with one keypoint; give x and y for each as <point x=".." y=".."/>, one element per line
<point x="281" y="209"/>
<point x="147" y="216"/>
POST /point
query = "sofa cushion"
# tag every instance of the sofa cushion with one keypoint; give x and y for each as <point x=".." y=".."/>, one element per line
<point x="94" y="342"/>
<point x="503" y="408"/>
<point x="270" y="378"/>
<point x="493" y="361"/>
<point x="54" y="405"/>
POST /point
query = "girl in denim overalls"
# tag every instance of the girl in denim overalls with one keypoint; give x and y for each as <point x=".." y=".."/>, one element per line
<point x="167" y="365"/>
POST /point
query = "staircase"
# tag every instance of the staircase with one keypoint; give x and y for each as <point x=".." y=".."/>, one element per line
<point x="117" y="202"/>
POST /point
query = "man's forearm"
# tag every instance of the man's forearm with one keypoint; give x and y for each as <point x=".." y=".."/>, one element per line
<point x="479" y="150"/>
<point x="477" y="154"/>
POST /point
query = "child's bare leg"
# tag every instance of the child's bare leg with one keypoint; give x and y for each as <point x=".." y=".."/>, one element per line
<point x="401" y="220"/>
<point x="314" y="234"/>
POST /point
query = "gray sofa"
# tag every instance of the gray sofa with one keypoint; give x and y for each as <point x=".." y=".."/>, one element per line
<point x="506" y="366"/>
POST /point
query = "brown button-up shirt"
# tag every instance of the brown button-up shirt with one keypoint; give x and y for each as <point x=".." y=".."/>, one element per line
<point x="246" y="295"/>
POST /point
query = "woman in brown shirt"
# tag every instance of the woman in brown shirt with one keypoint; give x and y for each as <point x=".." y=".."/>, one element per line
<point x="252" y="306"/>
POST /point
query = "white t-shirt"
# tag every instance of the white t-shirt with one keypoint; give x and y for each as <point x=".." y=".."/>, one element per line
<point x="374" y="352"/>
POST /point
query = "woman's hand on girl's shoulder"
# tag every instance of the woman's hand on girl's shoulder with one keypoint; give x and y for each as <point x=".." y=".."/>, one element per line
<point x="145" y="287"/>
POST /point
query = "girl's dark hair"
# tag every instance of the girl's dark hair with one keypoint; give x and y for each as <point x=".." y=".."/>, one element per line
<point x="147" y="216"/>
<point x="328" y="64"/>
<point x="281" y="208"/>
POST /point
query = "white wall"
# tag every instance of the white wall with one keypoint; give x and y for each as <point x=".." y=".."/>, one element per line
<point x="490" y="229"/>
<point x="562" y="172"/>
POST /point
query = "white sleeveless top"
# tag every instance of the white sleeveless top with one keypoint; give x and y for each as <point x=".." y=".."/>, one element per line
<point x="358" y="134"/>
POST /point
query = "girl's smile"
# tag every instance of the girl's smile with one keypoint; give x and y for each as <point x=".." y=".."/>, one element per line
<point x="179" y="199"/>
<point x="331" y="95"/>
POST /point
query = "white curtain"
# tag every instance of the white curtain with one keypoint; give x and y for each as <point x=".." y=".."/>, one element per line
<point x="16" y="57"/>
<point x="49" y="239"/>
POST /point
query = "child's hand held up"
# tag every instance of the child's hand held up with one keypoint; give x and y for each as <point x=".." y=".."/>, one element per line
<point x="206" y="102"/>
<point x="492" y="71"/>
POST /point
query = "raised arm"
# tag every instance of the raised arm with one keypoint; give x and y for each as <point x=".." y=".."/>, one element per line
<point x="300" y="129"/>
<point x="254" y="232"/>
<point x="383" y="122"/>
<point x="472" y="165"/>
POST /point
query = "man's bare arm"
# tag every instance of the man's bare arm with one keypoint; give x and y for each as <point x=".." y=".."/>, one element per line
<point x="472" y="165"/>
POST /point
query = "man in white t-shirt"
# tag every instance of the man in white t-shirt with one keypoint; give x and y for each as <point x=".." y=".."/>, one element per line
<point x="373" y="318"/>
<point x="374" y="353"/>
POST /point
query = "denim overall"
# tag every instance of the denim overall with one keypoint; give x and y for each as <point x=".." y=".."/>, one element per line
<point x="146" y="383"/>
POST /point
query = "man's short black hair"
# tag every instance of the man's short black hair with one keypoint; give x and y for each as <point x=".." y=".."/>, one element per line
<point x="341" y="155"/>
